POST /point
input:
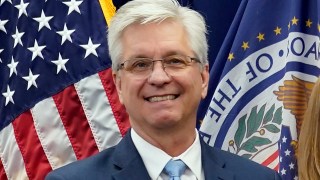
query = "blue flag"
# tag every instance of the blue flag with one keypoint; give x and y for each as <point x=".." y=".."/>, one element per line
<point x="261" y="80"/>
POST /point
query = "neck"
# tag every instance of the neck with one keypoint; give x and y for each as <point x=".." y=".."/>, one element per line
<point x="172" y="142"/>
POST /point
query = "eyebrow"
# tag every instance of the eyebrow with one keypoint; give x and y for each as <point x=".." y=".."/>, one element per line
<point x="169" y="53"/>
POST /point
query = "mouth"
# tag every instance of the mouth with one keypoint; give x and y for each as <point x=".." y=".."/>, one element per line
<point x="161" y="98"/>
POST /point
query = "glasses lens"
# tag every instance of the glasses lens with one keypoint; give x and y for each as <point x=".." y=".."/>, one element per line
<point x="138" y="65"/>
<point x="144" y="66"/>
<point x="176" y="62"/>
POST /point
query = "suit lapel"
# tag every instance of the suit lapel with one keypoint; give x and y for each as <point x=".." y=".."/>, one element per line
<point x="213" y="165"/>
<point x="134" y="170"/>
<point x="127" y="159"/>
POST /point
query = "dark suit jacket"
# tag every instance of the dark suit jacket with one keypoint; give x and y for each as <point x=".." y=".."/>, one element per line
<point x="123" y="162"/>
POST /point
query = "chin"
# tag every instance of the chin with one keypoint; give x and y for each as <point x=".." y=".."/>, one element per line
<point x="165" y="121"/>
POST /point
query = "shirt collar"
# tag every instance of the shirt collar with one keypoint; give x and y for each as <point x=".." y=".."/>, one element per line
<point x="192" y="157"/>
<point x="155" y="159"/>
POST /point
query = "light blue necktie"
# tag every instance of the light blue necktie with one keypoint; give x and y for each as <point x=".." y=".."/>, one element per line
<point x="175" y="168"/>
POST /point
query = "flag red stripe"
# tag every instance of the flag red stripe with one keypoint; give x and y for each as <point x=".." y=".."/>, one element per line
<point x="3" y="175"/>
<point x="276" y="168"/>
<point x="74" y="119"/>
<point x="118" y="109"/>
<point x="271" y="158"/>
<point x="30" y="146"/>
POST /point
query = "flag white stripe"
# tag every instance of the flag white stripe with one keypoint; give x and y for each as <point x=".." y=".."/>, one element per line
<point x="274" y="163"/>
<point x="52" y="134"/>
<point x="98" y="111"/>
<point x="265" y="154"/>
<point x="11" y="156"/>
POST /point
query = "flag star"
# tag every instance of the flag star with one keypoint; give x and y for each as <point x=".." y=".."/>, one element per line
<point x="230" y="56"/>
<point x="17" y="38"/>
<point x="90" y="48"/>
<point x="36" y="50"/>
<point x="245" y="45"/>
<point x="284" y="139"/>
<point x="31" y="79"/>
<point x="2" y="23"/>
<point x="287" y="152"/>
<point x="308" y="23"/>
<point x="294" y="21"/>
<point x="291" y="165"/>
<point x="295" y="177"/>
<point x="283" y="171"/>
<point x="277" y="30"/>
<point x="43" y="21"/>
<point x="60" y="63"/>
<point x="13" y="67"/>
<point x="65" y="34"/>
<point x="0" y="53"/>
<point x="2" y="1"/>
<point x="8" y="95"/>
<point x="22" y="8"/>
<point x="280" y="159"/>
<point x="260" y="37"/>
<point x="73" y="5"/>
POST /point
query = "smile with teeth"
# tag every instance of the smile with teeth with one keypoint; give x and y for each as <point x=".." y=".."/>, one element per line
<point x="161" y="98"/>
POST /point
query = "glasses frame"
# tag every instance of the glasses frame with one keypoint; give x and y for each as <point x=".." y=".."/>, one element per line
<point x="121" y="65"/>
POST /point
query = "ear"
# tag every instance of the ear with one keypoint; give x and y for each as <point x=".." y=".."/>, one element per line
<point x="117" y="81"/>
<point x="205" y="80"/>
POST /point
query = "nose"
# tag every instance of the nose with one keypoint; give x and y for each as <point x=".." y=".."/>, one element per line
<point x="158" y="75"/>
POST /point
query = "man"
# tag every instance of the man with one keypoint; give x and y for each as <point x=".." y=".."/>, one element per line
<point x="160" y="68"/>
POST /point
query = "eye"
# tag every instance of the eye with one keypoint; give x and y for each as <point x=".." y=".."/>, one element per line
<point x="140" y="64"/>
<point x="175" y="61"/>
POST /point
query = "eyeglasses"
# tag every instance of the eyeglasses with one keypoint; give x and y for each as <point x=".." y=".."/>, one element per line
<point x="144" y="66"/>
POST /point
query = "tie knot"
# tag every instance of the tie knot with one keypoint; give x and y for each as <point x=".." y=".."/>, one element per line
<point x="174" y="168"/>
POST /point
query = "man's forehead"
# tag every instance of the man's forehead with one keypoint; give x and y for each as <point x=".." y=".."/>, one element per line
<point x="162" y="39"/>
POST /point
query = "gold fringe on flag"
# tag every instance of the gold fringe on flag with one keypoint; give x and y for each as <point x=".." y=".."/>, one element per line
<point x="108" y="9"/>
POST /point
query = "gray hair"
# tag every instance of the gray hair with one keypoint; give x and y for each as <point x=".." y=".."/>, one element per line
<point x="150" y="11"/>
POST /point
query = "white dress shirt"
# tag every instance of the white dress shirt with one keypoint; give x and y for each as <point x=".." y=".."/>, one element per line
<point x="155" y="159"/>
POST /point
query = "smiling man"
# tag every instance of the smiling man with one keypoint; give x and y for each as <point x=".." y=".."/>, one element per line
<point x="161" y="83"/>
<point x="160" y="68"/>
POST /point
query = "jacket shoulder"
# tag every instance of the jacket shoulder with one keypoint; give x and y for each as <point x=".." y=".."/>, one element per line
<point x="93" y="167"/>
<point x="240" y="167"/>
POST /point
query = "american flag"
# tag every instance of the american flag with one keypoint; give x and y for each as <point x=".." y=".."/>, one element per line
<point x="58" y="103"/>
<point x="288" y="163"/>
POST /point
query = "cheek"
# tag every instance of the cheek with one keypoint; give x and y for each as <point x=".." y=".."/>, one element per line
<point x="131" y="89"/>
